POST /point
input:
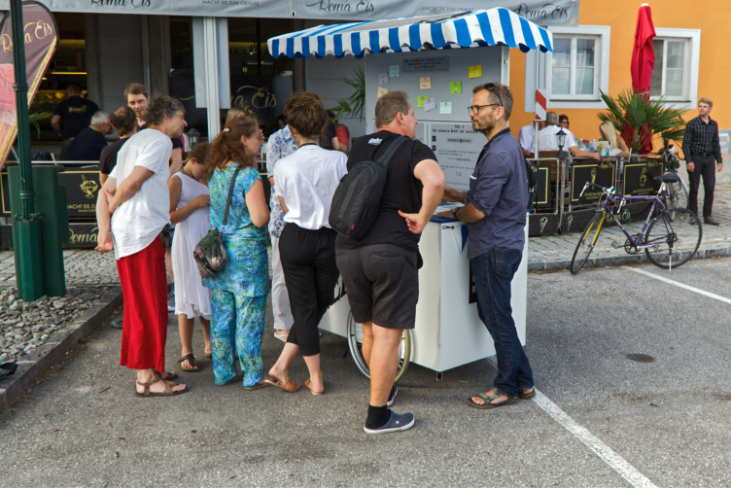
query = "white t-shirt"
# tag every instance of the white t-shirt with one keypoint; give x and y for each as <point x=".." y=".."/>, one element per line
<point x="525" y="137"/>
<point x="137" y="222"/>
<point x="547" y="139"/>
<point x="307" y="181"/>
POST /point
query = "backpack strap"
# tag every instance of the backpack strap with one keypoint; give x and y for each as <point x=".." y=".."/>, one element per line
<point x="228" y="199"/>
<point x="385" y="159"/>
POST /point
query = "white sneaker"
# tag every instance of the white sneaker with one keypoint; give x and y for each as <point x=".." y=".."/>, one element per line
<point x="171" y="303"/>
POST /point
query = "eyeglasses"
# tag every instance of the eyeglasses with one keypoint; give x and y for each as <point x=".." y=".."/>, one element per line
<point x="476" y="108"/>
<point x="493" y="88"/>
<point x="302" y="105"/>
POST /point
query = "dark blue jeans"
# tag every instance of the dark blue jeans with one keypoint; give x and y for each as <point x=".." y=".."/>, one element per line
<point x="493" y="271"/>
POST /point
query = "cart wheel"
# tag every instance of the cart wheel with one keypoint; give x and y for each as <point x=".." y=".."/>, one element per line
<point x="355" y="339"/>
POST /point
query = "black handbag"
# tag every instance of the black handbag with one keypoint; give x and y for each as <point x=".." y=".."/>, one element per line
<point x="210" y="254"/>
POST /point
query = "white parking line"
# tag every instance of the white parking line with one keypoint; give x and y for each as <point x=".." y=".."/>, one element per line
<point x="616" y="462"/>
<point x="680" y="285"/>
<point x="605" y="453"/>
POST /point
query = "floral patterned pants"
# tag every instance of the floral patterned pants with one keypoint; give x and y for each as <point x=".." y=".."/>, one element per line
<point x="238" y="324"/>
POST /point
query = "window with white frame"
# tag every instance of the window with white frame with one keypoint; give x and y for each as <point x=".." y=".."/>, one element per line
<point x="671" y="76"/>
<point x="575" y="67"/>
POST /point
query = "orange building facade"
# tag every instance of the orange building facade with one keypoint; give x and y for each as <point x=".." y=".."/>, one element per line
<point x="691" y="61"/>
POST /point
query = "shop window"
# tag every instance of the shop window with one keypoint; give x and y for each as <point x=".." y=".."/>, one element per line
<point x="675" y="76"/>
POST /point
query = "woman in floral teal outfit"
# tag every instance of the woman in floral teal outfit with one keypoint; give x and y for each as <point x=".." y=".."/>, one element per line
<point x="239" y="291"/>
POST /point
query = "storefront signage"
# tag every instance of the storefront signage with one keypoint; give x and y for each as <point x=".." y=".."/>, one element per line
<point x="639" y="178"/>
<point x="557" y="12"/>
<point x="598" y="173"/>
<point x="82" y="188"/>
<point x="457" y="148"/>
<point x="40" y="36"/>
<point x="425" y="65"/>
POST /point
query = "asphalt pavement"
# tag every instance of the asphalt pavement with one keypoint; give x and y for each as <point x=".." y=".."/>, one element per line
<point x="636" y="365"/>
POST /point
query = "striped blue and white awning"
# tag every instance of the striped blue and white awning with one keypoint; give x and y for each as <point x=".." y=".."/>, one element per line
<point x="493" y="27"/>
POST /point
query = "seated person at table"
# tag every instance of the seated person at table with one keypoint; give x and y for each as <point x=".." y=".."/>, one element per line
<point x="526" y="137"/>
<point x="617" y="146"/>
<point x="563" y="122"/>
<point x="90" y="142"/>
<point x="547" y="139"/>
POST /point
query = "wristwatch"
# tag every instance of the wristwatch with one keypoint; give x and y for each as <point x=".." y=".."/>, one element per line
<point x="454" y="212"/>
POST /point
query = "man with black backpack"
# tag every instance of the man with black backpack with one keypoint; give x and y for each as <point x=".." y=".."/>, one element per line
<point x="495" y="212"/>
<point x="377" y="254"/>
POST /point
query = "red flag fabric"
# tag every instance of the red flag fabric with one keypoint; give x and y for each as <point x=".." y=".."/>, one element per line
<point x="643" y="64"/>
<point x="643" y="55"/>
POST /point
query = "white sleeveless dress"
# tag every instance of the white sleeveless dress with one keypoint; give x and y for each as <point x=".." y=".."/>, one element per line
<point x="191" y="297"/>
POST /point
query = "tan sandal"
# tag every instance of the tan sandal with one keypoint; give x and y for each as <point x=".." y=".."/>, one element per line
<point x="167" y="392"/>
<point x="289" y="386"/>
<point x="316" y="393"/>
<point x="261" y="384"/>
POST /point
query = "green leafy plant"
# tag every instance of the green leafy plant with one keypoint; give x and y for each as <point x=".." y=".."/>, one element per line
<point x="37" y="117"/>
<point x="353" y="106"/>
<point x="634" y="110"/>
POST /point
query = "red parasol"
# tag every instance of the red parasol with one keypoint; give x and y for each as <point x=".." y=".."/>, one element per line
<point x="643" y="64"/>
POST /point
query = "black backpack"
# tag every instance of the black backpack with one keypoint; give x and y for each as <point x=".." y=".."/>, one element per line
<point x="355" y="203"/>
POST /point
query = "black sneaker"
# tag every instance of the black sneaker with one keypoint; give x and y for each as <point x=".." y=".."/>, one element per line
<point x="395" y="423"/>
<point x="392" y="395"/>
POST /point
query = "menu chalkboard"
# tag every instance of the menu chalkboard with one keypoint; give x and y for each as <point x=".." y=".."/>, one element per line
<point x="601" y="173"/>
<point x="639" y="178"/>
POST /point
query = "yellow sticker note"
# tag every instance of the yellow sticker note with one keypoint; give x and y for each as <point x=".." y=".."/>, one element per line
<point x="475" y="71"/>
<point x="455" y="87"/>
<point x="382" y="91"/>
<point x="420" y="101"/>
<point x="425" y="83"/>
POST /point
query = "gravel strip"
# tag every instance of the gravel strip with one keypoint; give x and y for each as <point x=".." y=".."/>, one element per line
<point x="26" y="326"/>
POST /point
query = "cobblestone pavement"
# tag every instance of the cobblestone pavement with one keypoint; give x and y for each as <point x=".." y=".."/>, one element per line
<point x="555" y="252"/>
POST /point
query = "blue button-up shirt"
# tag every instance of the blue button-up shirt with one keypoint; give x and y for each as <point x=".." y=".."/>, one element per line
<point x="499" y="189"/>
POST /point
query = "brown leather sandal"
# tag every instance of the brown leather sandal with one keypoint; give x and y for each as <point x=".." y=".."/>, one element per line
<point x="167" y="392"/>
<point x="289" y="386"/>
<point x="316" y="393"/>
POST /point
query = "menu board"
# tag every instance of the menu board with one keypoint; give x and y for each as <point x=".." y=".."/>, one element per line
<point x="457" y="148"/>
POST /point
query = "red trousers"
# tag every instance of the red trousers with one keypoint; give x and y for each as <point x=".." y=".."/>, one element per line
<point x="144" y="289"/>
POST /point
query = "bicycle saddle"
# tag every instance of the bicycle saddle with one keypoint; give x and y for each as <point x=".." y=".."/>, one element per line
<point x="668" y="177"/>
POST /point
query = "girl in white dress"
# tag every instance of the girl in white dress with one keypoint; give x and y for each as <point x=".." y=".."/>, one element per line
<point x="189" y="213"/>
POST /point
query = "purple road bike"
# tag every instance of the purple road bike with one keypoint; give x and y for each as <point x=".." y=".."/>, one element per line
<point x="669" y="237"/>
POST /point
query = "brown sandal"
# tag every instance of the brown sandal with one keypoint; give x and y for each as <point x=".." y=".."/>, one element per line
<point x="167" y="392"/>
<point x="289" y="386"/>
<point x="261" y="384"/>
<point x="316" y="393"/>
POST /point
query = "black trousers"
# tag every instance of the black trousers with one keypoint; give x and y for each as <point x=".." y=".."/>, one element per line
<point x="310" y="271"/>
<point x="705" y="167"/>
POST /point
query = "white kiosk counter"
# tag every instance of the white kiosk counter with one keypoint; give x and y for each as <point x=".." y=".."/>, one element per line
<point x="448" y="332"/>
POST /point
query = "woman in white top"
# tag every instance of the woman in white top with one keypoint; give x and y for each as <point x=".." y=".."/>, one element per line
<point x="305" y="183"/>
<point x="617" y="146"/>
<point x="189" y="213"/>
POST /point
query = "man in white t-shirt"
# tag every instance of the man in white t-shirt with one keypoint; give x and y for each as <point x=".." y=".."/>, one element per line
<point x="132" y="209"/>
<point x="547" y="139"/>
<point x="525" y="138"/>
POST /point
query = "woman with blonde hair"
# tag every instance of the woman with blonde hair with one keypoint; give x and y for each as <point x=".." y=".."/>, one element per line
<point x="239" y="291"/>
<point x="617" y="146"/>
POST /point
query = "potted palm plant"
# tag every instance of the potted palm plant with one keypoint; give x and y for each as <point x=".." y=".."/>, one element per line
<point x="353" y="106"/>
<point x="635" y="114"/>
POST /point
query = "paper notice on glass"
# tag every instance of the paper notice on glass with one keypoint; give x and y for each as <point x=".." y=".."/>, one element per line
<point x="457" y="147"/>
<point x="430" y="105"/>
<point x="425" y="83"/>
<point x="383" y="78"/>
<point x="475" y="71"/>
<point x="455" y="87"/>
<point x="382" y="91"/>
<point x="420" y="101"/>
<point x="394" y="71"/>
<point x="445" y="108"/>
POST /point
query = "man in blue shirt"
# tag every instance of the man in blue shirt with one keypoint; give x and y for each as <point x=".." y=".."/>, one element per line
<point x="72" y="116"/>
<point x="90" y="142"/>
<point x="495" y="212"/>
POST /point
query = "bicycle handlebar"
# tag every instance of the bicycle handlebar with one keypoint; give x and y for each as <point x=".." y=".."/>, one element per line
<point x="608" y="191"/>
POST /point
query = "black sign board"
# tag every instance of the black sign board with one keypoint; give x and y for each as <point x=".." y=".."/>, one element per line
<point x="542" y="173"/>
<point x="601" y="173"/>
<point x="542" y="224"/>
<point x="639" y="178"/>
<point x="82" y="186"/>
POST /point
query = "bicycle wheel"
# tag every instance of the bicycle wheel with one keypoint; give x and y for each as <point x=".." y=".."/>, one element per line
<point x="355" y="339"/>
<point x="677" y="241"/>
<point x="587" y="242"/>
<point x="677" y="198"/>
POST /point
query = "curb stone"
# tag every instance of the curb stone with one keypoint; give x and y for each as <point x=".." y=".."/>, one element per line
<point x="627" y="259"/>
<point x="32" y="367"/>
